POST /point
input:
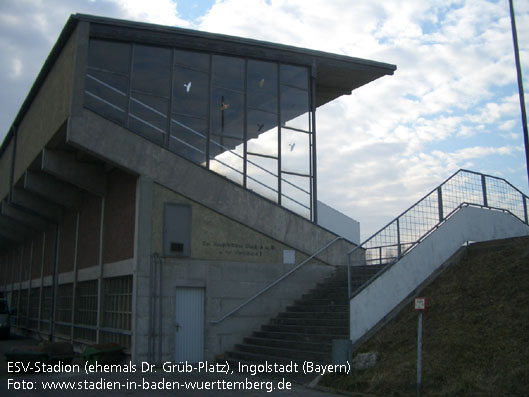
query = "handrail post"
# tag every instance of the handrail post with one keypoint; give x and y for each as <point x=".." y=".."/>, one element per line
<point x="524" y="200"/>
<point x="440" y="203"/>
<point x="349" y="275"/>
<point x="399" y="250"/>
<point x="484" y="190"/>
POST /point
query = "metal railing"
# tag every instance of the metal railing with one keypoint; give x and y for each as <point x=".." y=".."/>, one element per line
<point x="202" y="137"/>
<point x="277" y="281"/>
<point x="407" y="230"/>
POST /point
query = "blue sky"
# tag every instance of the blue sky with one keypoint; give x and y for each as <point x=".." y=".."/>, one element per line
<point x="452" y="103"/>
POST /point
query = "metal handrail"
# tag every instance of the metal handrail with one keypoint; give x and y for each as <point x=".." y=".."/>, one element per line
<point x="202" y="136"/>
<point x="295" y="268"/>
<point x="468" y="189"/>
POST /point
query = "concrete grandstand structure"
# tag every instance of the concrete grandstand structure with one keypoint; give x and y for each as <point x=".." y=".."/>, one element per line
<point x="155" y="178"/>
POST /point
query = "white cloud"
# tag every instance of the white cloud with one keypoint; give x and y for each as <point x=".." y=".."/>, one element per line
<point x="163" y="12"/>
<point x="452" y="102"/>
<point x="16" y="68"/>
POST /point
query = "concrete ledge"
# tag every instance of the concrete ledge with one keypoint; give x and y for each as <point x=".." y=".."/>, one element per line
<point x="114" y="144"/>
<point x="383" y="295"/>
<point x="117" y="269"/>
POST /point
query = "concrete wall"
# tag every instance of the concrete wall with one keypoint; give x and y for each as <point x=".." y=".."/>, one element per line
<point x="5" y="170"/>
<point x="48" y="111"/>
<point x="379" y="298"/>
<point x="113" y="143"/>
<point x="338" y="223"/>
<point x="226" y="285"/>
<point x="215" y="236"/>
<point x="232" y="263"/>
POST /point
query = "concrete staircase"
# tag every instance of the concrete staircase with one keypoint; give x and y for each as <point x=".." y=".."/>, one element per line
<point x="304" y="332"/>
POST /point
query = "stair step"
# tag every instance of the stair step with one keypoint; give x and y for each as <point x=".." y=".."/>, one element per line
<point x="290" y="336"/>
<point x="322" y="315"/>
<point x="323" y="302"/>
<point x="331" y="293"/>
<point x="318" y="308"/>
<point x="318" y="346"/>
<point x="311" y="322"/>
<point x="306" y="329"/>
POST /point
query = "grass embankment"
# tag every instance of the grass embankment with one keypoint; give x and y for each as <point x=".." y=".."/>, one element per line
<point x="475" y="332"/>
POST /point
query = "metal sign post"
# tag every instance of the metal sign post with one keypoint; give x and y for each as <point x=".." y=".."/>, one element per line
<point x="420" y="306"/>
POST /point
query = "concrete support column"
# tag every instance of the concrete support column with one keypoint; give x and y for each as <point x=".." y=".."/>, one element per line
<point x="142" y="260"/>
<point x="75" y="272"/>
<point x="99" y="321"/>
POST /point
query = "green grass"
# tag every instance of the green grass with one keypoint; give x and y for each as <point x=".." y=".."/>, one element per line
<point x="475" y="332"/>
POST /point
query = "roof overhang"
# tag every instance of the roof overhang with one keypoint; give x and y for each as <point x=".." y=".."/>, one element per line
<point x="335" y="75"/>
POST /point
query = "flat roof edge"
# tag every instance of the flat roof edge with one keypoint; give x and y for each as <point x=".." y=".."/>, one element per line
<point x="71" y="23"/>
<point x="389" y="68"/>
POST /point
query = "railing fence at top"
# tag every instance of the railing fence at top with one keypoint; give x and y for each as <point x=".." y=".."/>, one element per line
<point x="407" y="230"/>
<point x="147" y="111"/>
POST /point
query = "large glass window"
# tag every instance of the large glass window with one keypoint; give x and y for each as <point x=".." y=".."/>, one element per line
<point x="150" y="91"/>
<point x="246" y="119"/>
<point x="296" y="144"/>
<point x="107" y="79"/>
<point x="227" y="108"/>
<point x="262" y="130"/>
<point x="190" y="105"/>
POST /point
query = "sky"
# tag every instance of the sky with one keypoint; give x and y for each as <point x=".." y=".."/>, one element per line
<point x="452" y="103"/>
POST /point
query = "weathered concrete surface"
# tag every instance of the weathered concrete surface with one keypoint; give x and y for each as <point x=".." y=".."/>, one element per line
<point x="227" y="285"/>
<point x="49" y="110"/>
<point x="142" y="266"/>
<point x="379" y="298"/>
<point x="338" y="223"/>
<point x="5" y="170"/>
<point x="115" y="144"/>
<point x="232" y="263"/>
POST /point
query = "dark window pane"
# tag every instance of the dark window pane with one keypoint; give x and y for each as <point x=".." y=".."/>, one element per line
<point x="296" y="76"/>
<point x="262" y="176"/>
<point x="294" y="108"/>
<point x="190" y="92"/>
<point x="114" y="82"/>
<point x="151" y="71"/>
<point x="148" y="116"/>
<point x="105" y="109"/>
<point x="262" y="85"/>
<point x="105" y="94"/>
<point x="295" y="151"/>
<point x="228" y="72"/>
<point x="221" y="144"/>
<point x="228" y="163"/>
<point x="262" y="132"/>
<point x="193" y="60"/>
<point x="295" y="194"/>
<point x="188" y="138"/>
<point x="227" y="113"/>
<point x="109" y="55"/>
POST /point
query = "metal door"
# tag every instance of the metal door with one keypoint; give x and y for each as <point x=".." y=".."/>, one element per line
<point x="189" y="325"/>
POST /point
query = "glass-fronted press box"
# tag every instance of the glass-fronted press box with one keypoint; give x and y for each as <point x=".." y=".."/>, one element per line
<point x="249" y="120"/>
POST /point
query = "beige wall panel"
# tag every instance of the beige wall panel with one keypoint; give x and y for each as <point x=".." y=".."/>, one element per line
<point x="5" y="170"/>
<point x="216" y="237"/>
<point x="49" y="110"/>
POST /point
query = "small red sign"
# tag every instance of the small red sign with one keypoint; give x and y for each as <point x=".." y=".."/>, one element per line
<point x="420" y="304"/>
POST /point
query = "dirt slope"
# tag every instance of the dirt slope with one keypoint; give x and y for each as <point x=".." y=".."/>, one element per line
<point x="475" y="331"/>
